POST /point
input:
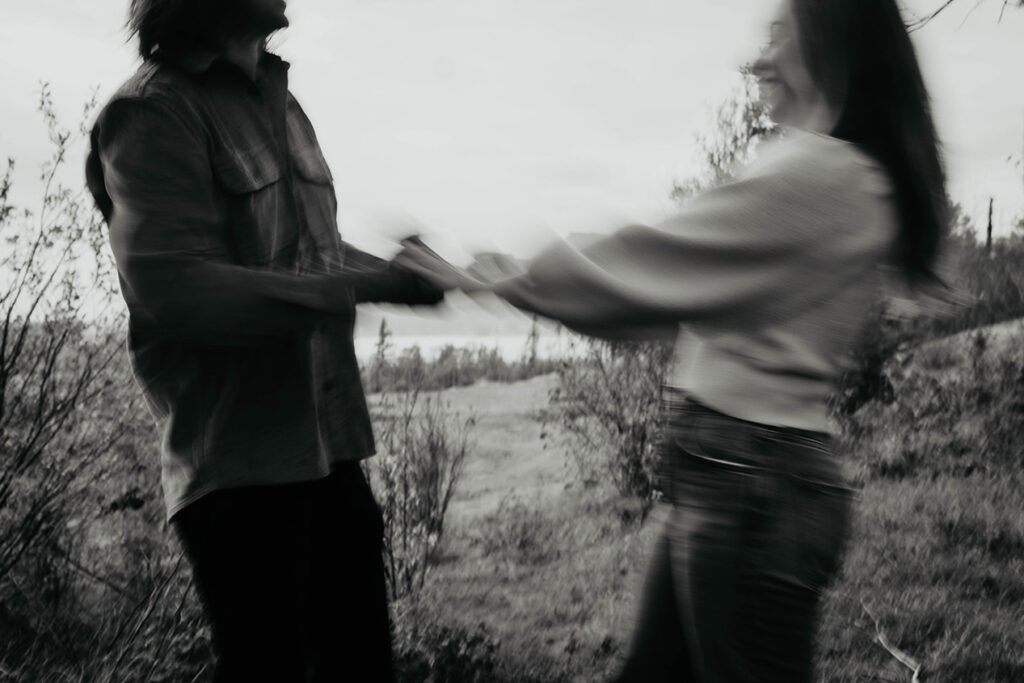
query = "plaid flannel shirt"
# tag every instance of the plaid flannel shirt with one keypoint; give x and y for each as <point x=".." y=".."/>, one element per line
<point x="222" y="218"/>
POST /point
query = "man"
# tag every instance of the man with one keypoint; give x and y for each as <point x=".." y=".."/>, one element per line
<point x="241" y="295"/>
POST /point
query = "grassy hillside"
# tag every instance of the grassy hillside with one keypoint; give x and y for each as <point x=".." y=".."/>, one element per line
<point x="937" y="558"/>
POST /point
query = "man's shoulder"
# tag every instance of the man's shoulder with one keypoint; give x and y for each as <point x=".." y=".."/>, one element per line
<point x="152" y="85"/>
<point x="154" y="80"/>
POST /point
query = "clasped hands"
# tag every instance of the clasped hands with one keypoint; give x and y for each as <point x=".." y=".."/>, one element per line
<point x="487" y="270"/>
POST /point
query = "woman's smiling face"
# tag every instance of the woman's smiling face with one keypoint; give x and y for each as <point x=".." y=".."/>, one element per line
<point x="786" y="85"/>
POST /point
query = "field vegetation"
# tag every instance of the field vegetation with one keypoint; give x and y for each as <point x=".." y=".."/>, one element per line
<point x="520" y="497"/>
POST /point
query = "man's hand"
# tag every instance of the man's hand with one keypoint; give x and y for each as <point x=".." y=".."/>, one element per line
<point x="420" y="259"/>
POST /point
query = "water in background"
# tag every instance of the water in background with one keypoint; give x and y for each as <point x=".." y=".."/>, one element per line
<point x="510" y="347"/>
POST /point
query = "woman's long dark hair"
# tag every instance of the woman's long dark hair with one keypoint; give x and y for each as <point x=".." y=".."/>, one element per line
<point x="171" y="24"/>
<point x="859" y="54"/>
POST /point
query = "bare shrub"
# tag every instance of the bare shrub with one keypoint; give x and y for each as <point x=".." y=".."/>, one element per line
<point x="54" y="370"/>
<point x="91" y="585"/>
<point x="608" y="403"/>
<point x="59" y="337"/>
<point x="423" y="448"/>
<point x="741" y="122"/>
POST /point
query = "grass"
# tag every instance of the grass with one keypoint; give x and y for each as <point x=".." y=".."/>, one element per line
<point x="537" y="574"/>
<point x="549" y="569"/>
<point x="543" y="565"/>
<point x="937" y="556"/>
<point x="935" y="565"/>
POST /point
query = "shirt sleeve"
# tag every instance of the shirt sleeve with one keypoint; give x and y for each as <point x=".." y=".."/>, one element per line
<point x="743" y="255"/>
<point x="168" y="238"/>
<point x="379" y="281"/>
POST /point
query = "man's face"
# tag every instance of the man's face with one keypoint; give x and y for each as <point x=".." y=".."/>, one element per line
<point x="258" y="17"/>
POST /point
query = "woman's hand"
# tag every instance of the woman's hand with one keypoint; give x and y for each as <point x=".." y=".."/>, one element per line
<point x="420" y="259"/>
<point x="494" y="268"/>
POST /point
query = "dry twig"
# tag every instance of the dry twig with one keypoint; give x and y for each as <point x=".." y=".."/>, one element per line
<point x="901" y="656"/>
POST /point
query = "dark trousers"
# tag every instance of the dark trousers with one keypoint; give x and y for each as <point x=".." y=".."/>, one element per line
<point x="292" y="580"/>
<point x="758" y="520"/>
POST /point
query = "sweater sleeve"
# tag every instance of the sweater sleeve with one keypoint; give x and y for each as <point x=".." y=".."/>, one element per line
<point x="739" y="256"/>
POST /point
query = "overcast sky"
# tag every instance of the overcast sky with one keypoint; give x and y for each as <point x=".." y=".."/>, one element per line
<point x="495" y="120"/>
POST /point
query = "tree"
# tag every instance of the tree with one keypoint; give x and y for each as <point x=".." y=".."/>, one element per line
<point x="379" y="365"/>
<point x="740" y="123"/>
<point x="528" y="361"/>
<point x="920" y="22"/>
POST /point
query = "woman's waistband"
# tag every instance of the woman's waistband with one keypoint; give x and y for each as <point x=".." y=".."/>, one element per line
<point x="697" y="430"/>
<point x="678" y="400"/>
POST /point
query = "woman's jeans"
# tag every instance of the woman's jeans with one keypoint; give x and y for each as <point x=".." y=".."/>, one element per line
<point x="758" y="520"/>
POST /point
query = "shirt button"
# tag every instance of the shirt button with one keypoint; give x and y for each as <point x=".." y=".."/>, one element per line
<point x="328" y="385"/>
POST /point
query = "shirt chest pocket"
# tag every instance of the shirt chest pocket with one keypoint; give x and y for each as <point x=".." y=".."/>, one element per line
<point x="261" y="225"/>
<point x="314" y="191"/>
<point x="310" y="165"/>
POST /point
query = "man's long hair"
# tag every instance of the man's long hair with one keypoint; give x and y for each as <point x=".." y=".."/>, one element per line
<point x="169" y="24"/>
<point x="860" y="55"/>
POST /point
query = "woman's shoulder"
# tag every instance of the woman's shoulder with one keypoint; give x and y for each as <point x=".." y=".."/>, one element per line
<point x="820" y="186"/>
<point x="822" y="162"/>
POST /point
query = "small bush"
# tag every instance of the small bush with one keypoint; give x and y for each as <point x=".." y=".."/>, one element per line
<point x="961" y="419"/>
<point x="428" y="653"/>
<point x="423" y="449"/>
<point x="519" y="530"/>
<point x="608" y="402"/>
<point x="987" y="287"/>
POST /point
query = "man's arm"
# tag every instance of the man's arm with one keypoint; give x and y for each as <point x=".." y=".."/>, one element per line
<point x="167" y="234"/>
<point x="379" y="281"/>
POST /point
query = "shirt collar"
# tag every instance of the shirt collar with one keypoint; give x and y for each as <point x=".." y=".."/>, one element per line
<point x="195" y="59"/>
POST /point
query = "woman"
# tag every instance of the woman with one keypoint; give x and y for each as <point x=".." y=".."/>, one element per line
<point x="772" y="276"/>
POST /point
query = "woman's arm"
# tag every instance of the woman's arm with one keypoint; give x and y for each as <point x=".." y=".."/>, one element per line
<point x="741" y="255"/>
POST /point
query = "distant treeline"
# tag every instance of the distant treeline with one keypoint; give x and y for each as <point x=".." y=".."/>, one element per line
<point x="453" y="366"/>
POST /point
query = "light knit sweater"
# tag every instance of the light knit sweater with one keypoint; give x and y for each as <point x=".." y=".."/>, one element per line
<point x="770" y="276"/>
